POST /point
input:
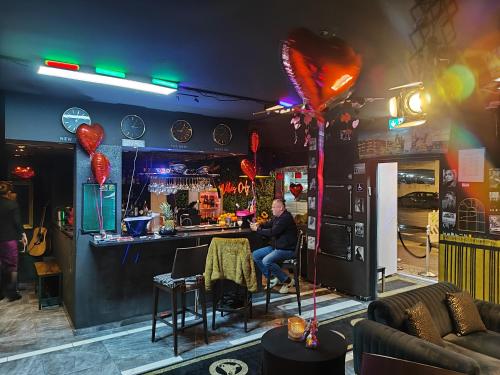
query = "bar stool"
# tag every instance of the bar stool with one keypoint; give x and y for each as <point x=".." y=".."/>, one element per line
<point x="382" y="271"/>
<point x="290" y="265"/>
<point x="186" y="276"/>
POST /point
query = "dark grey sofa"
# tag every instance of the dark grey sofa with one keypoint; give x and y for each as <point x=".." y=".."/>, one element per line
<point x="384" y="332"/>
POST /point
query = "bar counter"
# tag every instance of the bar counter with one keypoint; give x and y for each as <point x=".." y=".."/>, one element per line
<point x="196" y="233"/>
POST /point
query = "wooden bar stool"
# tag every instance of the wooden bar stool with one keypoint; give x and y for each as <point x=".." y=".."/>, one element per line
<point x="290" y="265"/>
<point x="382" y="271"/>
<point x="44" y="270"/>
<point x="187" y="276"/>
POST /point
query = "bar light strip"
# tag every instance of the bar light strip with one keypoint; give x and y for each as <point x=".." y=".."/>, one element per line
<point x="105" y="80"/>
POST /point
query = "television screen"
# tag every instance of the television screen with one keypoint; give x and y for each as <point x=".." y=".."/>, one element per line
<point x="337" y="201"/>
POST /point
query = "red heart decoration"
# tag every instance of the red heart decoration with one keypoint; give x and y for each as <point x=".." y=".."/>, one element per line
<point x="90" y="137"/>
<point x="248" y="168"/>
<point x="254" y="141"/>
<point x="296" y="189"/>
<point x="320" y="68"/>
<point x="100" y="167"/>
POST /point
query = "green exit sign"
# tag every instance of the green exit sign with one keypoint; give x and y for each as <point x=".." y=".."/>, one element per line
<point x="394" y="122"/>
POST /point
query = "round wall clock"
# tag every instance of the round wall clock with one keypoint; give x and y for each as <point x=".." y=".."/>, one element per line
<point x="222" y="134"/>
<point x="181" y="131"/>
<point x="133" y="127"/>
<point x="73" y="117"/>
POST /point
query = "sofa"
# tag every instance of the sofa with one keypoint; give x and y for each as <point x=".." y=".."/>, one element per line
<point x="385" y="332"/>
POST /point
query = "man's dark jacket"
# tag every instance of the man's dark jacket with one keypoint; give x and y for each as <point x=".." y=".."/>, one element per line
<point x="11" y="228"/>
<point x="282" y="230"/>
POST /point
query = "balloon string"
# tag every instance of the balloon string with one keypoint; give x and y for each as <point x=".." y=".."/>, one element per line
<point x="102" y="217"/>
<point x="97" y="210"/>
<point x="321" y="161"/>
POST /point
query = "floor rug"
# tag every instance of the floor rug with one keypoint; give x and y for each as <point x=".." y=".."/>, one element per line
<point x="246" y="359"/>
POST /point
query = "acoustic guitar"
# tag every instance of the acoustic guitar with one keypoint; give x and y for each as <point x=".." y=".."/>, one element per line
<point x="38" y="244"/>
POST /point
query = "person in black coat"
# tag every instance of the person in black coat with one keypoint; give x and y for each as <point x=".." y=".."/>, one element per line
<point x="11" y="231"/>
<point x="283" y="233"/>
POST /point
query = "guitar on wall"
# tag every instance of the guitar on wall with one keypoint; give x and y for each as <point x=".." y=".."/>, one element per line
<point x="38" y="245"/>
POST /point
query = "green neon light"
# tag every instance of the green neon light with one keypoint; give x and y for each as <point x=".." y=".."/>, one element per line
<point x="107" y="72"/>
<point x="162" y="82"/>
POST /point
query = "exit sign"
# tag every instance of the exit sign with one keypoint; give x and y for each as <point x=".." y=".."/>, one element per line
<point x="394" y="122"/>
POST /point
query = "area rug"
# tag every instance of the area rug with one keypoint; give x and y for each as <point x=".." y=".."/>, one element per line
<point x="246" y="359"/>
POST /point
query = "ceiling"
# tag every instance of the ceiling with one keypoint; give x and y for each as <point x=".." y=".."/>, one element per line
<point x="229" y="47"/>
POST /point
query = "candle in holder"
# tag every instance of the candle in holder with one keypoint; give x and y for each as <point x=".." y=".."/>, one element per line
<point x="296" y="327"/>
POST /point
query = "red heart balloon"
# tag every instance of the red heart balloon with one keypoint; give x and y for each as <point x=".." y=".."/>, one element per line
<point x="248" y="168"/>
<point x="320" y="68"/>
<point x="254" y="141"/>
<point x="296" y="189"/>
<point x="100" y="167"/>
<point x="90" y="136"/>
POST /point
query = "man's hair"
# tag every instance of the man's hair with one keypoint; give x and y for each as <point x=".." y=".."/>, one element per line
<point x="282" y="201"/>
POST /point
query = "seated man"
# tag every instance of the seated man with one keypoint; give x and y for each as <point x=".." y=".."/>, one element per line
<point x="283" y="232"/>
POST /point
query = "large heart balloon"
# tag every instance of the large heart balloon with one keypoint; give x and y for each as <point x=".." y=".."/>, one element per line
<point x="90" y="137"/>
<point x="248" y="168"/>
<point x="254" y="141"/>
<point x="296" y="189"/>
<point x="320" y="68"/>
<point x="100" y="167"/>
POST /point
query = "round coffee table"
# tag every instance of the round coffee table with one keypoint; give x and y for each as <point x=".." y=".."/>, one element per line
<point x="284" y="356"/>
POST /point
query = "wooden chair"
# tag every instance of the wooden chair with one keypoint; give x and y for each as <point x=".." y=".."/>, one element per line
<point x="376" y="364"/>
<point x="292" y="265"/>
<point x="186" y="276"/>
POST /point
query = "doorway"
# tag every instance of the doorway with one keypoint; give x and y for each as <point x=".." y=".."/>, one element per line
<point x="408" y="201"/>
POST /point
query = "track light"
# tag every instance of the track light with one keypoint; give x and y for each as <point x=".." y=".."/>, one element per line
<point x="409" y="107"/>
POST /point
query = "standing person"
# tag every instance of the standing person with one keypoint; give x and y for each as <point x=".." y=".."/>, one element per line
<point x="283" y="232"/>
<point x="11" y="231"/>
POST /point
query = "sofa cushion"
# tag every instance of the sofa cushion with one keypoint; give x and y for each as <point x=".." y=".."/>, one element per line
<point x="391" y="310"/>
<point x="487" y="343"/>
<point x="420" y="324"/>
<point x="488" y="365"/>
<point x="464" y="313"/>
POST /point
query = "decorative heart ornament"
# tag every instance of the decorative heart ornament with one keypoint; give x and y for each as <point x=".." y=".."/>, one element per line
<point x="90" y="137"/>
<point x="296" y="189"/>
<point x="248" y="168"/>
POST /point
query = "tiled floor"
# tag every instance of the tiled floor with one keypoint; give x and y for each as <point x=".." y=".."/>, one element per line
<point x="42" y="342"/>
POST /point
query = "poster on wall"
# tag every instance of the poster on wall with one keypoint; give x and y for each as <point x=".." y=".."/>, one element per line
<point x="311" y="223"/>
<point x="471" y="165"/>
<point x="359" y="229"/>
<point x="359" y="253"/>
<point x="471" y="216"/>
<point x="415" y="140"/>
<point x="495" y="225"/>
<point x="359" y="205"/>
<point x="494" y="201"/>
<point x="449" y="219"/>
<point x="494" y="178"/>
<point x="449" y="202"/>
<point x="449" y="178"/>
<point x="311" y="242"/>
<point x="311" y="203"/>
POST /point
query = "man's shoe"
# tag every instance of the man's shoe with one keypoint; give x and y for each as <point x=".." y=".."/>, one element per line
<point x="273" y="282"/>
<point x="285" y="287"/>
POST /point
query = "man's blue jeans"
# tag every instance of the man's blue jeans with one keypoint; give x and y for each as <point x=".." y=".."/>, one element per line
<point x="266" y="259"/>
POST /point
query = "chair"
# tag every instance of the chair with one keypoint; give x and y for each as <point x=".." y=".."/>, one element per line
<point x="292" y="265"/>
<point x="186" y="276"/>
<point x="375" y="364"/>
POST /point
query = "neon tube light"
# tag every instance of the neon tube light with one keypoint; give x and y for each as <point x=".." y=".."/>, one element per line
<point x="162" y="82"/>
<point x="286" y="104"/>
<point x="105" y="80"/>
<point x="112" y="73"/>
<point x="62" y="65"/>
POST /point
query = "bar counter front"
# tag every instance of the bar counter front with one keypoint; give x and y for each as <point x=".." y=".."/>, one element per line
<point x="120" y="281"/>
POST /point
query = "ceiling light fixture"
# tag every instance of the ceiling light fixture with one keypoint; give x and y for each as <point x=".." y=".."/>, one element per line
<point x="105" y="80"/>
<point x="107" y="72"/>
<point x="62" y="65"/>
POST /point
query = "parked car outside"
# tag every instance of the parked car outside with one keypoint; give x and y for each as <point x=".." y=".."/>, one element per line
<point x="419" y="199"/>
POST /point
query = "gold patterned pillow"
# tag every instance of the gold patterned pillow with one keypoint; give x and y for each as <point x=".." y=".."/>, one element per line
<point x="464" y="313"/>
<point x="420" y="324"/>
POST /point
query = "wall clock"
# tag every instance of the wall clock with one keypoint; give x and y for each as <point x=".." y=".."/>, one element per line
<point x="133" y="127"/>
<point x="222" y="134"/>
<point x="181" y="131"/>
<point x="73" y="117"/>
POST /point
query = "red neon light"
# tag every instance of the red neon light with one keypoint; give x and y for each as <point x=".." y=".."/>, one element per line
<point x="62" y="65"/>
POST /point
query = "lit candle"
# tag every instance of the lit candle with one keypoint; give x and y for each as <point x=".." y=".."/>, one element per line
<point x="296" y="326"/>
